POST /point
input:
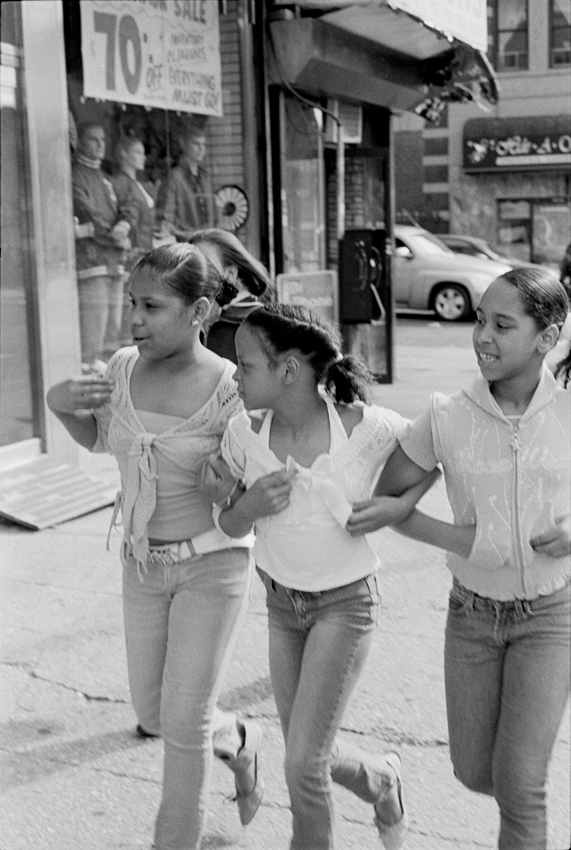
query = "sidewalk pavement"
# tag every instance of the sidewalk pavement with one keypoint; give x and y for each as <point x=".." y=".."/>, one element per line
<point x="74" y="775"/>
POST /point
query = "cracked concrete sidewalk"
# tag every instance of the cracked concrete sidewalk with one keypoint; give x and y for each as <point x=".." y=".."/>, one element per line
<point x="74" y="777"/>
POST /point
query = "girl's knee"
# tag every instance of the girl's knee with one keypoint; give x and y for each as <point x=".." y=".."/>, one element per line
<point x="518" y="785"/>
<point x="306" y="773"/>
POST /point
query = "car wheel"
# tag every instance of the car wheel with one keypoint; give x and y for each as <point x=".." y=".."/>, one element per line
<point x="451" y="302"/>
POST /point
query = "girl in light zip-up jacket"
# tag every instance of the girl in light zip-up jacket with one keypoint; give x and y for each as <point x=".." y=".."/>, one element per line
<point x="504" y="445"/>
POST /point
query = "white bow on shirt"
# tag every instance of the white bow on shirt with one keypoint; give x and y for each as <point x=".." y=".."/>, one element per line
<point x="319" y="479"/>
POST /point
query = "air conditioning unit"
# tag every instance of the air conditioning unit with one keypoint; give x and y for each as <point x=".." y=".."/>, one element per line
<point x="351" y="117"/>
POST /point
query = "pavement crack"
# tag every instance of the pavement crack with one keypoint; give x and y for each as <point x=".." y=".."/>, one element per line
<point x="394" y="736"/>
<point x="87" y="696"/>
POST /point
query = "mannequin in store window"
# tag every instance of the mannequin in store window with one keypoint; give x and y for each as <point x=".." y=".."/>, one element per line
<point x="137" y="197"/>
<point x="102" y="241"/>
<point x="186" y="199"/>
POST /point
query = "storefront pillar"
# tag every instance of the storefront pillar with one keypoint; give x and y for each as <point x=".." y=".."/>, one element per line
<point x="56" y="314"/>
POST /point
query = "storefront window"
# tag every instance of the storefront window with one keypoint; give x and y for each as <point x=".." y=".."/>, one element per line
<point x="302" y="174"/>
<point x="535" y="231"/>
<point x="560" y="33"/>
<point x="551" y="229"/>
<point x="17" y="419"/>
<point x="509" y="34"/>
<point x="167" y="172"/>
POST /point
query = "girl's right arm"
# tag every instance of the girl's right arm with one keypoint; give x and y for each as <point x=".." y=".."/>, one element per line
<point x="73" y="401"/>
<point x="401" y="474"/>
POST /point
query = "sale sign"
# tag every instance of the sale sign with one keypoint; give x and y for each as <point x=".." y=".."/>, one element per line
<point x="163" y="53"/>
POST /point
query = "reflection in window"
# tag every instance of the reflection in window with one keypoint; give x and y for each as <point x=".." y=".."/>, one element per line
<point x="302" y="173"/>
<point x="18" y="418"/>
<point x="508" y="27"/>
<point x="536" y="231"/>
<point x="514" y="229"/>
<point x="560" y="33"/>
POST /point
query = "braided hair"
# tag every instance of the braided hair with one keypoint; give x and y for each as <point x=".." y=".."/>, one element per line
<point x="283" y="327"/>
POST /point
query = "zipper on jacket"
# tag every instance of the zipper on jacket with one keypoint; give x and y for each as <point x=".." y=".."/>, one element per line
<point x="516" y="446"/>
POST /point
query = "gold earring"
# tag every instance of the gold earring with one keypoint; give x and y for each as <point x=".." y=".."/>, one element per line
<point x="196" y="322"/>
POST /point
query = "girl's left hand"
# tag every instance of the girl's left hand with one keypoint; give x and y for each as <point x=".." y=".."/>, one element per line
<point x="373" y="514"/>
<point x="556" y="542"/>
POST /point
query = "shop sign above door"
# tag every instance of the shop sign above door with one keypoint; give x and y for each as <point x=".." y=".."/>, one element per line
<point x="155" y="53"/>
<point x="508" y="144"/>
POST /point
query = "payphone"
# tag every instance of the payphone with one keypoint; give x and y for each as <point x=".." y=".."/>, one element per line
<point x="365" y="300"/>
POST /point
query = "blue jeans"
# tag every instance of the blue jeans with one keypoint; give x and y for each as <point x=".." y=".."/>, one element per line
<point x="318" y="645"/>
<point x="507" y="683"/>
<point x="181" y="622"/>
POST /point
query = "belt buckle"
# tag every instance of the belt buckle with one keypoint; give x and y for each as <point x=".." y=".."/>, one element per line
<point x="191" y="550"/>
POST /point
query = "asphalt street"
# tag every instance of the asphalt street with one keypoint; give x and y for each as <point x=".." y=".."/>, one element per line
<point x="74" y="776"/>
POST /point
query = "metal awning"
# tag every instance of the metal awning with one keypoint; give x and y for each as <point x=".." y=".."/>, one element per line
<point x="366" y="50"/>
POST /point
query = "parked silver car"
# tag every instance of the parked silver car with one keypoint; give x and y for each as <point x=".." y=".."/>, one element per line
<point x="429" y="276"/>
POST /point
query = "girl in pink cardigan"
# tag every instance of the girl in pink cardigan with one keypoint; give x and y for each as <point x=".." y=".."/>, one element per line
<point x="161" y="408"/>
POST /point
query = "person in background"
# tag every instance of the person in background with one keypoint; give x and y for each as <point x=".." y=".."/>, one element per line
<point x="186" y="198"/>
<point x="138" y="201"/>
<point x="505" y="447"/>
<point x="160" y="409"/>
<point x="241" y="270"/>
<point x="102" y="241"/>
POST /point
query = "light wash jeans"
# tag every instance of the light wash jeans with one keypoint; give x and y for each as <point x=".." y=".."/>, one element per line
<point x="100" y="311"/>
<point x="181" y="622"/>
<point x="318" y="645"/>
<point x="507" y="683"/>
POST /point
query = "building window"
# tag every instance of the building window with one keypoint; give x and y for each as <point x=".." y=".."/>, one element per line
<point x="508" y="27"/>
<point x="559" y="33"/>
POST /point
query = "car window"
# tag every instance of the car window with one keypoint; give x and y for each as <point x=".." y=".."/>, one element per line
<point x="401" y="249"/>
<point x="428" y="244"/>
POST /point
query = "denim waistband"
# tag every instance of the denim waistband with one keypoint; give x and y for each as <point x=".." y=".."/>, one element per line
<point x="307" y="594"/>
<point x="478" y="602"/>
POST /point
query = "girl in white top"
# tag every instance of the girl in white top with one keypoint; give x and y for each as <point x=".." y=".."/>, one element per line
<point x="303" y="460"/>
<point x="161" y="408"/>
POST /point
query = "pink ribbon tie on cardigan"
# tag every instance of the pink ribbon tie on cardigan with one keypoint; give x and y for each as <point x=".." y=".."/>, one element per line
<point x="140" y="496"/>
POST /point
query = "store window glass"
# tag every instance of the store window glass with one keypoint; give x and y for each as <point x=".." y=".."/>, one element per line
<point x="509" y="34"/>
<point x="514" y="229"/>
<point x="303" y="223"/>
<point x="165" y="173"/>
<point x="18" y="419"/>
<point x="535" y="230"/>
<point x="551" y="226"/>
<point x="560" y="33"/>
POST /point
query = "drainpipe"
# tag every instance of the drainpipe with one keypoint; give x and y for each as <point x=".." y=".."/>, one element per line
<point x="340" y="183"/>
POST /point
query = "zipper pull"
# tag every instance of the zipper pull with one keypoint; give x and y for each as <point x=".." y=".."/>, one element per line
<point x="514" y="440"/>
